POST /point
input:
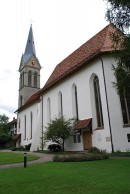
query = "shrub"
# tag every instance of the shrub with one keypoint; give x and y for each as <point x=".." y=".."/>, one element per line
<point x="118" y="153"/>
<point x="94" y="150"/>
<point x="80" y="157"/>
<point x="54" y="147"/>
<point x="27" y="147"/>
<point x="13" y="148"/>
<point x="21" y="148"/>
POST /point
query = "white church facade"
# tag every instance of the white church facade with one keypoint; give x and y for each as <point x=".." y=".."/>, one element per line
<point x="81" y="87"/>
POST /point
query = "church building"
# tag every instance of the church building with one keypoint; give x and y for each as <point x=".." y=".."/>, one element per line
<point x="80" y="86"/>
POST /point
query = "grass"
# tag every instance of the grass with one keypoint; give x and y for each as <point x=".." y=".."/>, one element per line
<point x="97" y="177"/>
<point x="11" y="157"/>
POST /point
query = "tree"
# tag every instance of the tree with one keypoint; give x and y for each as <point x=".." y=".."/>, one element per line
<point x="118" y="14"/>
<point x="4" y="130"/>
<point x="4" y="124"/>
<point x="59" y="130"/>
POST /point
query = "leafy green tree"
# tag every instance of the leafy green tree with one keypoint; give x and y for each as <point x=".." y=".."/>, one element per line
<point x="4" y="124"/>
<point x="118" y="13"/>
<point x="4" y="130"/>
<point x="59" y="130"/>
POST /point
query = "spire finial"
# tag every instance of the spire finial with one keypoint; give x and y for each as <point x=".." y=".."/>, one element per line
<point x="31" y="21"/>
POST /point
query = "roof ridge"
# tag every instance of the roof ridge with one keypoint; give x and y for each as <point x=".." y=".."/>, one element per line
<point x="87" y="52"/>
<point x="71" y="59"/>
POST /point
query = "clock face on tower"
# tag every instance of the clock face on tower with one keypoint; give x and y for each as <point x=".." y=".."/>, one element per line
<point x="33" y="62"/>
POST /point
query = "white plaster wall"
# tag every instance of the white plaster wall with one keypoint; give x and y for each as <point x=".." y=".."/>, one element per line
<point x="81" y="80"/>
<point x="119" y="133"/>
<point x="36" y="126"/>
<point x="86" y="108"/>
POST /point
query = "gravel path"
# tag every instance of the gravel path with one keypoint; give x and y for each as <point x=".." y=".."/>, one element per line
<point x="42" y="158"/>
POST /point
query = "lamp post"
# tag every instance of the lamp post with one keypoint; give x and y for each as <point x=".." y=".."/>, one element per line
<point x="25" y="160"/>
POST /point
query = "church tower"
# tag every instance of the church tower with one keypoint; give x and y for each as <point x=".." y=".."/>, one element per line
<point x="29" y="82"/>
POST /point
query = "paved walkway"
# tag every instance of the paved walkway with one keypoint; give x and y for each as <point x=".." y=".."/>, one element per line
<point x="42" y="158"/>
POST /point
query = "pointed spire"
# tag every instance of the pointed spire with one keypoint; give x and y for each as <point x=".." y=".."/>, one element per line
<point x="30" y="46"/>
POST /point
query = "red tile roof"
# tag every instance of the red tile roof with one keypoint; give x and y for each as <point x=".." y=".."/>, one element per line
<point x="34" y="98"/>
<point x="82" y="124"/>
<point x="13" y="121"/>
<point x="98" y="44"/>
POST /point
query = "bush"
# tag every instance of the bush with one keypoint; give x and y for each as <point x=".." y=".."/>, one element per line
<point x="21" y="148"/>
<point x="54" y="147"/>
<point x="80" y="157"/>
<point x="13" y="148"/>
<point x="27" y="147"/>
<point x="94" y="150"/>
<point x="118" y="153"/>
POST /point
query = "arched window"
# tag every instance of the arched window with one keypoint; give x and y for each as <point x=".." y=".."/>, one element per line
<point x="24" y="127"/>
<point x="21" y="100"/>
<point x="19" y="123"/>
<point x="35" y="79"/>
<point x="23" y="78"/>
<point x="125" y="105"/>
<point x="98" y="104"/>
<point x="60" y="105"/>
<point x="75" y="101"/>
<point x="48" y="110"/>
<point x="31" y="122"/>
<point x="29" y="78"/>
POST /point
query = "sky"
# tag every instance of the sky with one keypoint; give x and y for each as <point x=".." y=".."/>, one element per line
<point x="59" y="28"/>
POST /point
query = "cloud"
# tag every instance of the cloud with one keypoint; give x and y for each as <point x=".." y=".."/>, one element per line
<point x="5" y="74"/>
<point x="6" y="108"/>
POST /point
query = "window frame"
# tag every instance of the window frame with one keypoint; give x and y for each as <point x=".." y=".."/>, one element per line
<point x="77" y="138"/>
<point x="29" y="78"/>
<point x="125" y="108"/>
<point x="98" y="103"/>
<point x="35" y="79"/>
<point x="75" y="102"/>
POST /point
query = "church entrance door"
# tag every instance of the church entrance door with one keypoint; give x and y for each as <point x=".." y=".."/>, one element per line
<point x="87" y="138"/>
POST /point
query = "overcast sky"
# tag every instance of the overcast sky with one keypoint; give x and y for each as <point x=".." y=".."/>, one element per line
<point x="59" y="28"/>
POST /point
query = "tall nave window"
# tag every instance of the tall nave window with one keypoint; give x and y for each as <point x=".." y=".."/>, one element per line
<point x="98" y="103"/>
<point x="125" y="105"/>
<point x="75" y="101"/>
<point x="48" y="110"/>
<point x="60" y="106"/>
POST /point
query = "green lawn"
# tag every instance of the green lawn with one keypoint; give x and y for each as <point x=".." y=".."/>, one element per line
<point x="110" y="176"/>
<point x="11" y="157"/>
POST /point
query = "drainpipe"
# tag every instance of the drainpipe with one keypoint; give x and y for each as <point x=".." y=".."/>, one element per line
<point x="42" y="121"/>
<point x="109" y="120"/>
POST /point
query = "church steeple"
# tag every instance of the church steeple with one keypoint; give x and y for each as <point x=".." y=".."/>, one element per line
<point x="29" y="71"/>
<point x="30" y="46"/>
